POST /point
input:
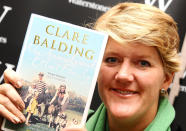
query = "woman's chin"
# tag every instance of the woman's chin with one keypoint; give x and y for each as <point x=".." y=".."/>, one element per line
<point x="122" y="112"/>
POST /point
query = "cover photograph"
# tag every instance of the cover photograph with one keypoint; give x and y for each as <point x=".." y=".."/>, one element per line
<point x="59" y="64"/>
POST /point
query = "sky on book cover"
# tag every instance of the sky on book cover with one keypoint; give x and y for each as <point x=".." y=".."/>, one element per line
<point x="41" y="53"/>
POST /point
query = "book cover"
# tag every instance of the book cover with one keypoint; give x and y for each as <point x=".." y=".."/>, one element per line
<point x="59" y="64"/>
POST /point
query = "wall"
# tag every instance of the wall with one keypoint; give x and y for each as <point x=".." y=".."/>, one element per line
<point x="14" y="17"/>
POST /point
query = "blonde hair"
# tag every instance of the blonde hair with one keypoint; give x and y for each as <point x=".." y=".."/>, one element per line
<point x="134" y="22"/>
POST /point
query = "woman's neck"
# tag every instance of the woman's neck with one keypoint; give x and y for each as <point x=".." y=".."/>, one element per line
<point x="131" y="124"/>
<point x="124" y="126"/>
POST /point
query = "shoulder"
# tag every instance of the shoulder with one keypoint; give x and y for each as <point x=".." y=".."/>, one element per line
<point x="176" y="126"/>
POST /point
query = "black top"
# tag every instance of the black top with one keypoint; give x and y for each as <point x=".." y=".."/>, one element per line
<point x="175" y="126"/>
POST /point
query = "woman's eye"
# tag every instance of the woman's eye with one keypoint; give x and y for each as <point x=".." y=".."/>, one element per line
<point x="144" y="63"/>
<point x="111" y="60"/>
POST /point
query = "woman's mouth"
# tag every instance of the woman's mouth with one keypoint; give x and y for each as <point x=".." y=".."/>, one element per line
<point x="124" y="92"/>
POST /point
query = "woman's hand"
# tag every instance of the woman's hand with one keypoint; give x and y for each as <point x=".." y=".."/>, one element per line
<point x="11" y="103"/>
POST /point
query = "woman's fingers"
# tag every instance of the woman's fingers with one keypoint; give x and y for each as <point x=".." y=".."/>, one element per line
<point x="10" y="92"/>
<point x="10" y="116"/>
<point x="10" y="76"/>
<point x="11" y="104"/>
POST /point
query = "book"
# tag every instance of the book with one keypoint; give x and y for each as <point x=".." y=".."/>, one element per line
<point x="59" y="65"/>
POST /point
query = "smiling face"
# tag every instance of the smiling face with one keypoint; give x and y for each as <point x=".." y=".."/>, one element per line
<point x="130" y="79"/>
<point x="40" y="77"/>
<point x="62" y="88"/>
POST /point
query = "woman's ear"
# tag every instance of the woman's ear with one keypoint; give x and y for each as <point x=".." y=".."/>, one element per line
<point x="168" y="80"/>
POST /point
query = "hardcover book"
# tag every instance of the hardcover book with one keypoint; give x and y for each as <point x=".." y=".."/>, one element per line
<point x="59" y="64"/>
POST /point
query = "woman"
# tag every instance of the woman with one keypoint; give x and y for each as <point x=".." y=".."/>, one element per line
<point x="138" y="66"/>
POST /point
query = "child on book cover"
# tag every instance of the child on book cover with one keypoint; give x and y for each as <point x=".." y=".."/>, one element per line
<point x="32" y="107"/>
<point x="29" y="94"/>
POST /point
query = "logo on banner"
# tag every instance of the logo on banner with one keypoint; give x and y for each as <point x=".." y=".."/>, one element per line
<point x="6" y="9"/>
<point x="183" y="87"/>
<point x="3" y="40"/>
<point x="163" y="4"/>
<point x="8" y="66"/>
<point x="88" y="4"/>
<point x="184" y="75"/>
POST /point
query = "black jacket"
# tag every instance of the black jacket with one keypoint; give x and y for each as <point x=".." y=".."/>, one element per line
<point x="175" y="126"/>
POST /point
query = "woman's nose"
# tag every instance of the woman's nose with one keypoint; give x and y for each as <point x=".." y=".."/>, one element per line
<point x="125" y="72"/>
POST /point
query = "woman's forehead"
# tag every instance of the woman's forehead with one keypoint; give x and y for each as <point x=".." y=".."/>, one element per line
<point x="137" y="50"/>
<point x="134" y="47"/>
